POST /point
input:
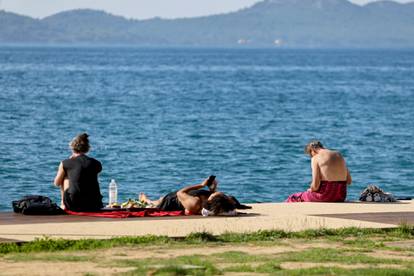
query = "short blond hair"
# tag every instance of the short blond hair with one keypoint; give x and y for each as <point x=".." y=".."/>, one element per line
<point x="80" y="144"/>
<point x="313" y="145"/>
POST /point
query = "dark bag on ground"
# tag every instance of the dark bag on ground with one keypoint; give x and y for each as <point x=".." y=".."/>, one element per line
<point x="36" y="205"/>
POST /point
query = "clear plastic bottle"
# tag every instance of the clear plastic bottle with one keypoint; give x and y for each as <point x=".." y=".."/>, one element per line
<point x="113" y="192"/>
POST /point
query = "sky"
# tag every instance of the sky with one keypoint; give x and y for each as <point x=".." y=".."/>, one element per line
<point x="137" y="9"/>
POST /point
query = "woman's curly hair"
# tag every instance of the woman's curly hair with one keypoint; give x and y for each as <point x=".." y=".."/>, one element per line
<point x="80" y="144"/>
<point x="219" y="204"/>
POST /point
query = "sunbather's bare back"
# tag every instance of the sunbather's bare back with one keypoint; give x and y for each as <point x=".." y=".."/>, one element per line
<point x="327" y="165"/>
<point x="332" y="165"/>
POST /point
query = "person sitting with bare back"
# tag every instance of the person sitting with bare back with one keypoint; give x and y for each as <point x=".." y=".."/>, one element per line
<point x="330" y="176"/>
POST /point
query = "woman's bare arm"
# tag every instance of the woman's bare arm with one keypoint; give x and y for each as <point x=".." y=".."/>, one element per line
<point x="60" y="176"/>
<point x="189" y="202"/>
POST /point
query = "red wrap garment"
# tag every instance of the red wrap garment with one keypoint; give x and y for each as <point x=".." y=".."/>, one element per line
<point x="329" y="191"/>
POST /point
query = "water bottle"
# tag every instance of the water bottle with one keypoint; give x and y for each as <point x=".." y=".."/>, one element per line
<point x="113" y="192"/>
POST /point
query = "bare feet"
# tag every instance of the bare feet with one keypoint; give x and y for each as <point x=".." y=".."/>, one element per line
<point x="143" y="198"/>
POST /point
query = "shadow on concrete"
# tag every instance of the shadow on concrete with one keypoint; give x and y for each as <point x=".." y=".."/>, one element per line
<point x="394" y="218"/>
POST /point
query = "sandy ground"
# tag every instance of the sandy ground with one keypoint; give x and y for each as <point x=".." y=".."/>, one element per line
<point x="269" y="216"/>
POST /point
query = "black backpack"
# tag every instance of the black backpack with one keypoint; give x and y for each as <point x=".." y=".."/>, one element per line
<point x="36" y="205"/>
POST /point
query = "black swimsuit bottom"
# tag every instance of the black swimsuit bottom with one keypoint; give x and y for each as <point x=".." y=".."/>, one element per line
<point x="170" y="201"/>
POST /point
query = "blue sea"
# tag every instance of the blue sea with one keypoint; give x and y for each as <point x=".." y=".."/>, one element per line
<point x="162" y="118"/>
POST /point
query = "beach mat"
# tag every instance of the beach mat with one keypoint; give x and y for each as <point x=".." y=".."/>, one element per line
<point x="128" y="213"/>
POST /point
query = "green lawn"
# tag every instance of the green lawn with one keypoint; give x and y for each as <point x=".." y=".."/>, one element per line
<point x="348" y="251"/>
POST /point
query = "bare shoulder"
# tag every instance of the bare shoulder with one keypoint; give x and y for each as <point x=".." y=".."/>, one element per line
<point x="338" y="155"/>
<point x="334" y="153"/>
<point x="326" y="157"/>
<point x="316" y="160"/>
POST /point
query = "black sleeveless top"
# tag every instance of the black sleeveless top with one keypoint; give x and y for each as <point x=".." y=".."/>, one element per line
<point x="83" y="193"/>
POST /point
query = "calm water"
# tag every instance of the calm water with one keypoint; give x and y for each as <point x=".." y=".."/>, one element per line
<point x="163" y="118"/>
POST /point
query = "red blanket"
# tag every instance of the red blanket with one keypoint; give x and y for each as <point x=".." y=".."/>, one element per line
<point x="127" y="213"/>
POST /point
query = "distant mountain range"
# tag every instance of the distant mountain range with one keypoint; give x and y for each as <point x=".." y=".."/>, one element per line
<point x="270" y="23"/>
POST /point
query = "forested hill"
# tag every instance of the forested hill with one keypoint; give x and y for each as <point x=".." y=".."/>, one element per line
<point x="270" y="23"/>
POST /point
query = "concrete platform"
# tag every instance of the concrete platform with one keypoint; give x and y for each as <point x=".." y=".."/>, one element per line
<point x="289" y="217"/>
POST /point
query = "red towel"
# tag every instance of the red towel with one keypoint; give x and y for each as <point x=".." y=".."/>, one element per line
<point x="329" y="191"/>
<point x="127" y="214"/>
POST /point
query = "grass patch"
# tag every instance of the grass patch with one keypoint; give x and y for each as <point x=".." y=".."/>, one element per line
<point x="321" y="255"/>
<point x="19" y="257"/>
<point x="243" y="262"/>
<point x="334" y="234"/>
<point x="53" y="245"/>
<point x="363" y="243"/>
<point x="345" y="272"/>
<point x="183" y="265"/>
<point x="236" y="256"/>
<point x="239" y="257"/>
<point x="201" y="237"/>
<point x="405" y="230"/>
<point x="240" y="268"/>
<point x="269" y="267"/>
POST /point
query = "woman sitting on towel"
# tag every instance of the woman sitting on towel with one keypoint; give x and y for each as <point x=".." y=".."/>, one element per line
<point x="77" y="178"/>
<point x="330" y="176"/>
<point x="195" y="200"/>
